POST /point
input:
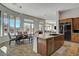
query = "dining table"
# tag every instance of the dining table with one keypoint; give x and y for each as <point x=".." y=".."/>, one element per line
<point x="22" y="37"/>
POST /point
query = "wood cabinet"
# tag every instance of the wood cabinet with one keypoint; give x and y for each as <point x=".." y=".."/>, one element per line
<point x="75" y="23"/>
<point x="46" y="47"/>
<point x="75" y="37"/>
<point x="50" y="46"/>
<point x="58" y="42"/>
<point x="75" y="26"/>
<point x="65" y="20"/>
<point x="42" y="46"/>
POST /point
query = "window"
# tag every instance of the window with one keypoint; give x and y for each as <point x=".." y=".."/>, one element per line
<point x="18" y="23"/>
<point x="9" y="24"/>
<point x="48" y="27"/>
<point x="5" y="23"/>
<point x="28" y="27"/>
<point x="12" y="22"/>
<point x="40" y="27"/>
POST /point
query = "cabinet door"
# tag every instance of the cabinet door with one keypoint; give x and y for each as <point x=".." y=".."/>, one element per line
<point x="58" y="41"/>
<point x="50" y="46"/>
<point x="42" y="46"/>
<point x="75" y="23"/>
<point x="75" y="26"/>
<point x="68" y="20"/>
<point x="75" y="37"/>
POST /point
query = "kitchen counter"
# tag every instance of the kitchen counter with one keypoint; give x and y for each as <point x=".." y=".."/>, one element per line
<point x="47" y="36"/>
<point x="47" y="44"/>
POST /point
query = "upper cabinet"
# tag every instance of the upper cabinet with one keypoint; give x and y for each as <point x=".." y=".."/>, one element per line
<point x="75" y="23"/>
<point x="65" y="20"/>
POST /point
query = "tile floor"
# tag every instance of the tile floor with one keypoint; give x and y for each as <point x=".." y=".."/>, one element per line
<point x="68" y="49"/>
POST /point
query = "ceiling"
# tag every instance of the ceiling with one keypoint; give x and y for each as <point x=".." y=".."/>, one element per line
<point x="42" y="10"/>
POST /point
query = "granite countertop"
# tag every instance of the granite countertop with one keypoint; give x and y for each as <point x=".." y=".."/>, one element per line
<point x="46" y="36"/>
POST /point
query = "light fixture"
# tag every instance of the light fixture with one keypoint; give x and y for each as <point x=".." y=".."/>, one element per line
<point x="20" y="6"/>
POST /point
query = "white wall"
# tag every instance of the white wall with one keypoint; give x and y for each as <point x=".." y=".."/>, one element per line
<point x="70" y="13"/>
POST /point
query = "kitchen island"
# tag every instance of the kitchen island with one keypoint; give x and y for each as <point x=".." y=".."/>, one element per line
<point x="47" y="44"/>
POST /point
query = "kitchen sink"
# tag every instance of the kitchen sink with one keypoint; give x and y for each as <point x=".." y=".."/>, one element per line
<point x="53" y="34"/>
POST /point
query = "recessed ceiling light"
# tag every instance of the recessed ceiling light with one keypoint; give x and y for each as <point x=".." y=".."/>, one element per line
<point x="20" y="6"/>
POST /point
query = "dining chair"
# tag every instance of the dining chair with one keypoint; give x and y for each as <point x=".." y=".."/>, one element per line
<point x="12" y="38"/>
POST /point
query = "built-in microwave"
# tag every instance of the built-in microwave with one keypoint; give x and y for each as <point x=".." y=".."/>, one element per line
<point x="76" y="31"/>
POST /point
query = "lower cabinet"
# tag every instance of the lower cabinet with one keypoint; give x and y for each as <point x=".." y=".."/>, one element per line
<point x="46" y="47"/>
<point x="42" y="47"/>
<point x="58" y="42"/>
<point x="75" y="37"/>
<point x="50" y="46"/>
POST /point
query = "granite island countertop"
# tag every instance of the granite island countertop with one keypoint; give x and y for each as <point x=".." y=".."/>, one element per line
<point x="47" y="36"/>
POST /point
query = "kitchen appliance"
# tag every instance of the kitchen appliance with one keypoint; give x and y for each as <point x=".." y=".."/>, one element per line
<point x="61" y="28"/>
<point x="67" y="31"/>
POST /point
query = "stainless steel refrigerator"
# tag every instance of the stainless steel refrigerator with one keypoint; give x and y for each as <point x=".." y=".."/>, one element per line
<point x="67" y="31"/>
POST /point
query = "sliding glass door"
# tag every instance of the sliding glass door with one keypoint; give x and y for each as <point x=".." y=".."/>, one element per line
<point x="12" y="24"/>
<point x="5" y="23"/>
<point x="18" y="24"/>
